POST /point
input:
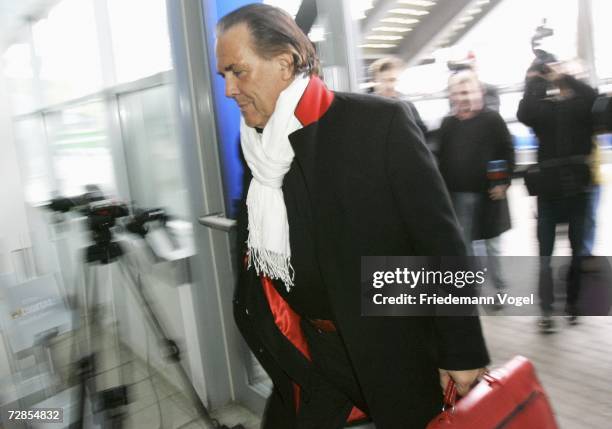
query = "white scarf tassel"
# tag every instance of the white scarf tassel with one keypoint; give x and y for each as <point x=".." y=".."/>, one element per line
<point x="274" y="265"/>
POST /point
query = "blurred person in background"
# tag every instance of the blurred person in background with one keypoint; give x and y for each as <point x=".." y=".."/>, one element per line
<point x="558" y="107"/>
<point x="576" y="68"/>
<point x="470" y="139"/>
<point x="331" y="177"/>
<point x="385" y="73"/>
<point x="490" y="93"/>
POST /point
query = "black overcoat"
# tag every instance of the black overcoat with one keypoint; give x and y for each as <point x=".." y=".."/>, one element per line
<point x="371" y="188"/>
<point x="489" y="139"/>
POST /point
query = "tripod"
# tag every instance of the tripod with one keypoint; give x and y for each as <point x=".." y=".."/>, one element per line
<point x="111" y="401"/>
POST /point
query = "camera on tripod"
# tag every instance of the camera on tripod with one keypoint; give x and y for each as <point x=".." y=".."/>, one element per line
<point x="101" y="217"/>
<point x="102" y="214"/>
<point x="138" y="224"/>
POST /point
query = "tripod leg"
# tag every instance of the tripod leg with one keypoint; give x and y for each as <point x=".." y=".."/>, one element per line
<point x="84" y="363"/>
<point x="173" y="350"/>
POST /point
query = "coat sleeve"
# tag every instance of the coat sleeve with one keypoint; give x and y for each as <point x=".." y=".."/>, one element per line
<point x="419" y="191"/>
<point x="503" y="140"/>
<point x="425" y="208"/>
<point x="584" y="97"/>
<point x="534" y="110"/>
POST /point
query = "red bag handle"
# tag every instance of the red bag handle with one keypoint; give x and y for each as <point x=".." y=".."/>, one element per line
<point x="450" y="393"/>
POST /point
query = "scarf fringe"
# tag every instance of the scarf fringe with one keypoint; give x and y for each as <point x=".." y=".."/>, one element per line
<point x="273" y="265"/>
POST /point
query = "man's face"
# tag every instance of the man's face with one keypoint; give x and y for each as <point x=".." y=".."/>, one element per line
<point x="386" y="82"/>
<point x="253" y="82"/>
<point x="466" y="96"/>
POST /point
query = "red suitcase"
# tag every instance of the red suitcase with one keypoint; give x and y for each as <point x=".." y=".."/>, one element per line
<point x="510" y="397"/>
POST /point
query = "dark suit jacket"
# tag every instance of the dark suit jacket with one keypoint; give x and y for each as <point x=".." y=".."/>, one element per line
<point x="465" y="148"/>
<point x="371" y="187"/>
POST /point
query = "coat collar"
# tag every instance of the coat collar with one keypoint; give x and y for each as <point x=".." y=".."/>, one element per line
<point x="314" y="102"/>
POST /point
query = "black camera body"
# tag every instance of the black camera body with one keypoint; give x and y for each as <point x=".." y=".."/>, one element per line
<point x="138" y="223"/>
<point x="103" y="215"/>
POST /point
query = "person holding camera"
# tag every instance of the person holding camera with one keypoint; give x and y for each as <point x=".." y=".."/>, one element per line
<point x="562" y="179"/>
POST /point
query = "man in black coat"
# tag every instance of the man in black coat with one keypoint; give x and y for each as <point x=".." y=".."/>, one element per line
<point x="332" y="177"/>
<point x="470" y="140"/>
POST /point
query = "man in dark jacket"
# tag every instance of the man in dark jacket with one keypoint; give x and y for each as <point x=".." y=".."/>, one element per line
<point x="471" y="138"/>
<point x="331" y="177"/>
<point x="563" y="125"/>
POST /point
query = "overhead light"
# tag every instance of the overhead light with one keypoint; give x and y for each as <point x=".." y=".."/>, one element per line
<point x="383" y="37"/>
<point x="467" y="18"/>
<point x="396" y="29"/>
<point x="422" y="3"/>
<point x="474" y="11"/>
<point x="406" y="11"/>
<point x="405" y="21"/>
<point x="482" y="2"/>
<point x="378" y="45"/>
<point x="458" y="26"/>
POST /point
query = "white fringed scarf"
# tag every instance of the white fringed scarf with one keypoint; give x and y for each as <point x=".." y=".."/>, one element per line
<point x="269" y="156"/>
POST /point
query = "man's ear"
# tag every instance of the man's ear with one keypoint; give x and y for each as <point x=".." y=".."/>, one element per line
<point x="285" y="61"/>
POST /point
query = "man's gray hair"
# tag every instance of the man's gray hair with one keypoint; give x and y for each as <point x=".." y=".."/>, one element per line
<point x="274" y="32"/>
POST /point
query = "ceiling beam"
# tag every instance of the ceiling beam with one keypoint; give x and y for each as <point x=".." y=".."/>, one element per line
<point x="374" y="15"/>
<point x="424" y="35"/>
<point x="486" y="9"/>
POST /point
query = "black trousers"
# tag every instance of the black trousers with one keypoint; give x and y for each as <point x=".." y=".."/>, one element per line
<point x="550" y="213"/>
<point x="334" y="389"/>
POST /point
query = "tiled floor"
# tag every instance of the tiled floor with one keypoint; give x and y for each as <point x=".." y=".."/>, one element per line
<point x="574" y="364"/>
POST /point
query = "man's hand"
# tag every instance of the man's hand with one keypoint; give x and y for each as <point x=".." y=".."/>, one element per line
<point x="498" y="192"/>
<point x="464" y="380"/>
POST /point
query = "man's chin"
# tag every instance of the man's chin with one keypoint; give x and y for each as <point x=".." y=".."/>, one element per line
<point x="252" y="122"/>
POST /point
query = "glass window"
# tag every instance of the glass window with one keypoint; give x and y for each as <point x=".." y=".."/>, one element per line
<point x="20" y="77"/>
<point x="508" y="105"/>
<point x="501" y="45"/>
<point x="502" y="40"/>
<point x="152" y="151"/>
<point x="67" y="46"/>
<point x="34" y="158"/>
<point x="139" y="32"/>
<point x="80" y="149"/>
<point x="602" y="34"/>
<point x="432" y="111"/>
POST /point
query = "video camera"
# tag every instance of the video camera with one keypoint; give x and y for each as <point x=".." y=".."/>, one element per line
<point x="138" y="223"/>
<point x="102" y="214"/>
<point x="80" y="202"/>
<point x="543" y="57"/>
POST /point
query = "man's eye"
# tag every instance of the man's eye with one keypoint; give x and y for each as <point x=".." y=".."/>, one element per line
<point x="237" y="73"/>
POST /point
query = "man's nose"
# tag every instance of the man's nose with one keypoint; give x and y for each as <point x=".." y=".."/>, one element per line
<point x="231" y="90"/>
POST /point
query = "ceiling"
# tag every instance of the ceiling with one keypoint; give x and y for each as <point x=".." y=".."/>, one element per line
<point x="413" y="29"/>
